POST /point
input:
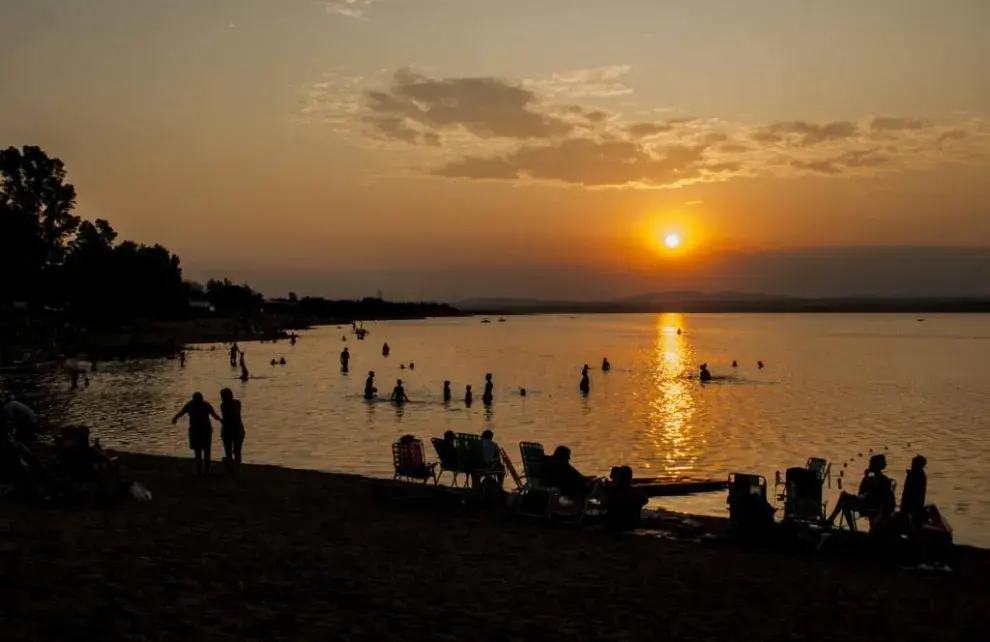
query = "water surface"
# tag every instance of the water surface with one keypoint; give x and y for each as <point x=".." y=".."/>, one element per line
<point x="834" y="386"/>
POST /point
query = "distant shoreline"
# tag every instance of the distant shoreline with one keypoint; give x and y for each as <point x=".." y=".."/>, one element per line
<point x="759" y="306"/>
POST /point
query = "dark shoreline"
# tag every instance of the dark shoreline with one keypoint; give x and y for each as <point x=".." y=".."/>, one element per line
<point x="274" y="553"/>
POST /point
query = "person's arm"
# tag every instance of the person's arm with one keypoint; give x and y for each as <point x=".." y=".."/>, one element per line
<point x="179" y="415"/>
<point x="213" y="413"/>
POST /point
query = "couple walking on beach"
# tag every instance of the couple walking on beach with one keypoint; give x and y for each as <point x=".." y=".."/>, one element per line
<point x="201" y="429"/>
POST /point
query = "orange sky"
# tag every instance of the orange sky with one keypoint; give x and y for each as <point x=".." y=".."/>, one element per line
<point x="363" y="134"/>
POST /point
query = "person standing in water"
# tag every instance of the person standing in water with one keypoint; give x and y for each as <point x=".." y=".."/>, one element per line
<point x="705" y="375"/>
<point x="398" y="393"/>
<point x="231" y="429"/>
<point x="468" y="397"/>
<point x="369" y="386"/>
<point x="585" y="384"/>
<point x="385" y="349"/>
<point x="489" y="394"/>
<point x="244" y="370"/>
<point x="200" y="430"/>
<point x="606" y="366"/>
<point x="234" y="350"/>
<point x="182" y="358"/>
<point x="345" y="359"/>
<point x="446" y="392"/>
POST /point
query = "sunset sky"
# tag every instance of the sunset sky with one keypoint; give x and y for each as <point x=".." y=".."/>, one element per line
<point x="254" y="136"/>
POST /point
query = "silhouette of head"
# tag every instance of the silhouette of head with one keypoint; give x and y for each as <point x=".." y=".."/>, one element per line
<point x="371" y="373"/>
<point x="468" y="388"/>
<point x="398" y="382"/>
<point x="446" y="384"/>
<point x="487" y="434"/>
<point x="878" y="463"/>
<point x="522" y="392"/>
<point x="197" y="397"/>
<point x="226" y="394"/>
<point x="449" y="436"/>
<point x="562" y="452"/>
<point x="918" y="463"/>
<point x="488" y="377"/>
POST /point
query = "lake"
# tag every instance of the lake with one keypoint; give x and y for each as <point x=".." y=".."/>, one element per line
<point x="834" y="386"/>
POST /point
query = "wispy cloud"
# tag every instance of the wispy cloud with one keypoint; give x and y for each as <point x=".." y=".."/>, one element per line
<point x="356" y="9"/>
<point x="498" y="129"/>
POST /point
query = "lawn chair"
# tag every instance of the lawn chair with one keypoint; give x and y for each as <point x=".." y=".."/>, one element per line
<point x="471" y="460"/>
<point x="410" y="462"/>
<point x="534" y="492"/>
<point x="750" y="515"/>
<point x="871" y="514"/>
<point x="520" y="484"/>
<point x="448" y="462"/>
<point x="802" y="492"/>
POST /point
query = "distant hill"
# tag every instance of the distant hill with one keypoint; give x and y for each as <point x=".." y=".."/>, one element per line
<point x="727" y="302"/>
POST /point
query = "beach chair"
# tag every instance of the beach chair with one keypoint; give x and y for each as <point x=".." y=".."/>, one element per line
<point x="511" y="469"/>
<point x="749" y="512"/>
<point x="802" y="492"/>
<point x="534" y="493"/>
<point x="448" y="462"/>
<point x="471" y="460"/>
<point x="410" y="462"/>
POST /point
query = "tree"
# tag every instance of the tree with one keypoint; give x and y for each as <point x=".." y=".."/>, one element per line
<point x="36" y="220"/>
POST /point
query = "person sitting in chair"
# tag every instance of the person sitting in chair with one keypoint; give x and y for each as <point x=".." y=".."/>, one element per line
<point x="558" y="473"/>
<point x="623" y="502"/>
<point x="875" y="499"/>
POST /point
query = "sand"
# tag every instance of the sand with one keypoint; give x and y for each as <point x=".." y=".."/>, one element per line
<point x="278" y="554"/>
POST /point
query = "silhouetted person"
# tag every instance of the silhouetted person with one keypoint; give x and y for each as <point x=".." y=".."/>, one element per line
<point x="522" y="392"/>
<point x="705" y="374"/>
<point x="446" y="391"/>
<point x="398" y="393"/>
<point x="606" y="366"/>
<point x="623" y="502"/>
<point x="182" y="359"/>
<point x="489" y="394"/>
<point x="468" y="397"/>
<point x="557" y="472"/>
<point x="281" y="361"/>
<point x="386" y="350"/>
<point x="231" y="428"/>
<point x="292" y="339"/>
<point x="234" y="350"/>
<point x="585" y="385"/>
<point x="915" y="490"/>
<point x="274" y="363"/>
<point x="447" y="449"/>
<point x="200" y="429"/>
<point x="369" y="386"/>
<point x="678" y="331"/>
<point x="412" y="366"/>
<point x="345" y="359"/>
<point x="584" y="369"/>
<point x="244" y="370"/>
<point x="402" y="366"/>
<point x="759" y="364"/>
<point x="875" y="498"/>
<point x="735" y="364"/>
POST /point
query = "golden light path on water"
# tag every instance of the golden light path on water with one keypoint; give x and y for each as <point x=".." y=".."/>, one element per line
<point x="677" y="442"/>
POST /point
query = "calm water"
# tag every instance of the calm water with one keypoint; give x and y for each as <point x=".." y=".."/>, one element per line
<point x="834" y="386"/>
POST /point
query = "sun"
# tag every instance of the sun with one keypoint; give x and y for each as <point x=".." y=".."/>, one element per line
<point x="672" y="241"/>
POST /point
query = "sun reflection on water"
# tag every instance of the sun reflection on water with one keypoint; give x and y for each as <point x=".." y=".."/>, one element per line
<point x="677" y="442"/>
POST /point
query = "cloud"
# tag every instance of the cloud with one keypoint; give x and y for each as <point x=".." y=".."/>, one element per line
<point x="596" y="82"/>
<point x="805" y="134"/>
<point x="484" y="107"/>
<point x="589" y="162"/>
<point x="356" y="9"/>
<point x="894" y="124"/>
<point x="493" y="128"/>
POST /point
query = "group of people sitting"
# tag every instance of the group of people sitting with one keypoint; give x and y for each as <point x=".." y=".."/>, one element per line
<point x="875" y="497"/>
<point x="622" y="501"/>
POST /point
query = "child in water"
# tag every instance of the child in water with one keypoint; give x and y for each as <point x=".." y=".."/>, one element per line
<point x="489" y="395"/>
<point x="398" y="393"/>
<point x="446" y="391"/>
<point x="705" y="375"/>
<point x="369" y="386"/>
<point x="467" y="395"/>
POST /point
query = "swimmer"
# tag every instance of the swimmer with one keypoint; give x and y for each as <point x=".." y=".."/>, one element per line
<point x="281" y="361"/>
<point x="385" y="350"/>
<point x="244" y="370"/>
<point x="468" y="397"/>
<point x="234" y="350"/>
<point x="678" y="331"/>
<point x="412" y="366"/>
<point x="274" y="363"/>
<point x="446" y="391"/>
<point x="584" y="370"/>
<point x="759" y="364"/>
<point x="345" y="358"/>
<point x="489" y="395"/>
<point x="735" y="364"/>
<point x="398" y="393"/>
<point x="606" y="366"/>
<point x="585" y="385"/>
<point x="402" y="366"/>
<point x="369" y="386"/>
<point x="522" y="392"/>
<point x="705" y="375"/>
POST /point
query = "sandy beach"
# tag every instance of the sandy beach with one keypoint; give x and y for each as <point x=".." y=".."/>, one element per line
<point x="280" y="554"/>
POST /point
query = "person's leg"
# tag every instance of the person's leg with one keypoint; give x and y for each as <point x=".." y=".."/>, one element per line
<point x="238" y="444"/>
<point x="228" y="451"/>
<point x="198" y="454"/>
<point x="206" y="459"/>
